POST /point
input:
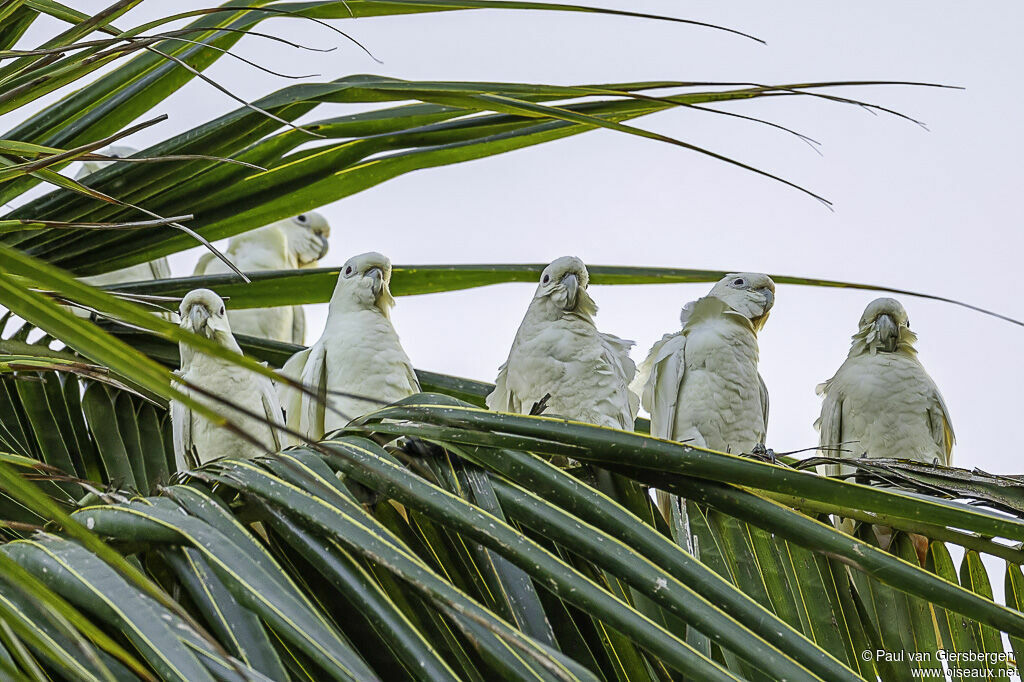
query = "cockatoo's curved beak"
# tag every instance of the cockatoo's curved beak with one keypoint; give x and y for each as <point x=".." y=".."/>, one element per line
<point x="769" y="300"/>
<point x="199" y="316"/>
<point x="378" y="279"/>
<point x="323" y="247"/>
<point x="572" y="291"/>
<point x="888" y="331"/>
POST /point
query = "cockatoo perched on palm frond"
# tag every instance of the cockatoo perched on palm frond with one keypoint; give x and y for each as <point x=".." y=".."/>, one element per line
<point x="882" y="403"/>
<point x="701" y="384"/>
<point x="298" y="242"/>
<point x="558" y="352"/>
<point x="358" y="365"/>
<point x="195" y="438"/>
<point x="143" y="272"/>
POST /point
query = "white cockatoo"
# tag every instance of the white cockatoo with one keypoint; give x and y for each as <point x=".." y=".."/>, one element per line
<point x="291" y="244"/>
<point x="143" y="272"/>
<point x="558" y="352"/>
<point x="358" y="364"/>
<point x="701" y="384"/>
<point x="115" y="151"/>
<point x="195" y="438"/>
<point x="882" y="403"/>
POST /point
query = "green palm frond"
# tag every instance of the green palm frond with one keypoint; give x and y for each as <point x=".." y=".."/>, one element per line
<point x="431" y="539"/>
<point x="463" y="519"/>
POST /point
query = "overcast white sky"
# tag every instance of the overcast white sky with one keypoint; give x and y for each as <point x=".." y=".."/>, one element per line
<point x="935" y="211"/>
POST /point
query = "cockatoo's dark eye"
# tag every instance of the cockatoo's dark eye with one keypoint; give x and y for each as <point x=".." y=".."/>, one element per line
<point x="302" y="218"/>
<point x="222" y="310"/>
<point x="738" y="282"/>
<point x="348" y="270"/>
<point x="546" y="279"/>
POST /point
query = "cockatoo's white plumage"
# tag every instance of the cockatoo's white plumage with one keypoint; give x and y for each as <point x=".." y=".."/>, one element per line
<point x="882" y="398"/>
<point x="882" y="404"/>
<point x="143" y="272"/>
<point x="114" y="151"/>
<point x="195" y="438"/>
<point x="559" y="351"/>
<point x="297" y="242"/>
<point x="701" y="384"/>
<point x="358" y="364"/>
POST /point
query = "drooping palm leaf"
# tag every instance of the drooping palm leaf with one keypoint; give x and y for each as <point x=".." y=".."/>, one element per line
<point x="275" y="288"/>
<point x="237" y="199"/>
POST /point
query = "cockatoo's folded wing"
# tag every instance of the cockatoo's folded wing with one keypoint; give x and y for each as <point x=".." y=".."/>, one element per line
<point x="660" y="375"/>
<point x="181" y="432"/>
<point x="501" y="398"/>
<point x="942" y="430"/>
<point x="658" y="382"/>
<point x="289" y="396"/>
<point x="414" y="380"/>
<point x="298" y="325"/>
<point x="616" y="354"/>
<point x="272" y="411"/>
<point x="764" y="398"/>
<point x="305" y="412"/>
<point x="830" y="426"/>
